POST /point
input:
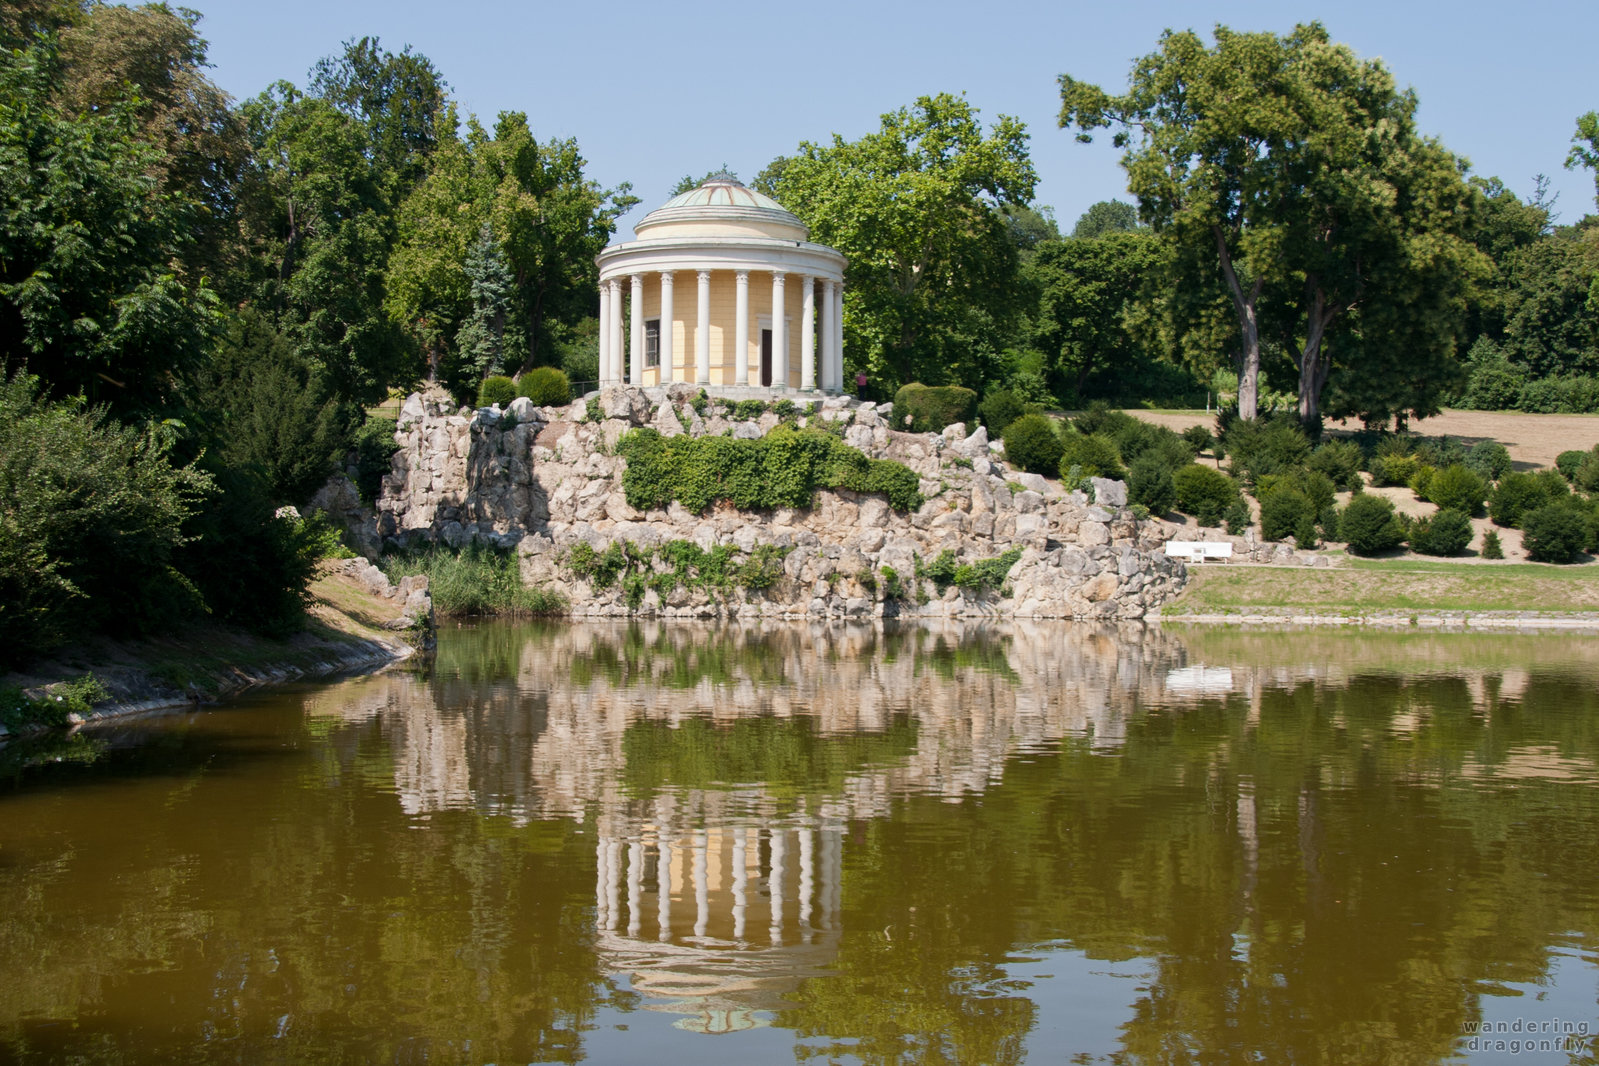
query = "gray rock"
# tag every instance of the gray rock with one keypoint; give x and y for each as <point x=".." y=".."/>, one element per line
<point x="1108" y="493"/>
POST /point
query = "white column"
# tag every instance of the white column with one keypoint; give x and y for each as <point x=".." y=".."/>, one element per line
<point x="702" y="331"/>
<point x="616" y="332"/>
<point x="838" y="334"/>
<point x="666" y="374"/>
<point x="741" y="328"/>
<point x="779" y="337"/>
<point x="635" y="333"/>
<point x="604" y="372"/>
<point x="808" y="333"/>
<point x="828" y="384"/>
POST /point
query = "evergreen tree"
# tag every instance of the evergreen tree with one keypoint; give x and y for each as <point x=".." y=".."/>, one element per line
<point x="482" y="340"/>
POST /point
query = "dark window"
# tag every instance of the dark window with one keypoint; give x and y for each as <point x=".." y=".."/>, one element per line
<point x="652" y="343"/>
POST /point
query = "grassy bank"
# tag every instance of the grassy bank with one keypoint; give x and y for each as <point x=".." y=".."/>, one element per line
<point x="475" y="581"/>
<point x="1367" y="586"/>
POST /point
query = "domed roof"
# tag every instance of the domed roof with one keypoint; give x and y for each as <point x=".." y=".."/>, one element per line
<point x="721" y="205"/>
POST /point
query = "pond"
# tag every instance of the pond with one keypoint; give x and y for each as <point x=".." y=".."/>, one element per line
<point x="649" y="843"/>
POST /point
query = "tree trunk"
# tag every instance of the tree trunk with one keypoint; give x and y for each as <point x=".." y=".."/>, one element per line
<point x="1248" y="325"/>
<point x="1315" y="362"/>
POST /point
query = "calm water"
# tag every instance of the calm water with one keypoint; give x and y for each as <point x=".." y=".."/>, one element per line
<point x="672" y="844"/>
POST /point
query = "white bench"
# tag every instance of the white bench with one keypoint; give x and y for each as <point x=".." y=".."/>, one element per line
<point x="1198" y="551"/>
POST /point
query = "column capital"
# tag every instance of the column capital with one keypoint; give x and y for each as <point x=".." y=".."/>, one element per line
<point x="703" y="275"/>
<point x="742" y="275"/>
<point x="666" y="275"/>
<point x="778" y="276"/>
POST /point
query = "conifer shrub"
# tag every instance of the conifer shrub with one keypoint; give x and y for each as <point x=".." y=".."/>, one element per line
<point x="496" y="390"/>
<point x="1339" y="461"/>
<point x="1567" y="462"/>
<point x="1237" y="517"/>
<point x="374" y="449"/>
<point x="1207" y="494"/>
<point x="1265" y="446"/>
<point x="1149" y="482"/>
<point x="1445" y="533"/>
<point x="1515" y="495"/>
<point x="922" y="408"/>
<point x="1369" y="525"/>
<point x="1282" y="512"/>
<point x="1491" y="548"/>
<point x="1489" y="459"/>
<point x="546" y="386"/>
<point x="1094" y="455"/>
<point x="1032" y="444"/>
<point x="1456" y="488"/>
<point x="999" y="409"/>
<point x="1198" y="438"/>
<point x="1554" y="533"/>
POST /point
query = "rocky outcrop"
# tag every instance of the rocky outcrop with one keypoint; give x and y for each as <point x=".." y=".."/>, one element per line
<point x="543" y="480"/>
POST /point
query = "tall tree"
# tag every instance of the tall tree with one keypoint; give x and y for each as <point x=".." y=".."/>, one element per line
<point x="931" y="288"/>
<point x="1087" y="287"/>
<point x="1585" y="147"/>
<point x="481" y="341"/>
<point x="1296" y="167"/>
<point x="1107" y="216"/>
<point x="398" y="99"/>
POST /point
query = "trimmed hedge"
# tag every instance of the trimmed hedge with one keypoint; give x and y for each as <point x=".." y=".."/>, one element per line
<point x="1456" y="488"/>
<point x="782" y="469"/>
<point x="496" y="390"/>
<point x="1032" y="444"/>
<point x="1283" y="512"/>
<point x="1206" y="493"/>
<point x="922" y="408"/>
<point x="546" y="387"/>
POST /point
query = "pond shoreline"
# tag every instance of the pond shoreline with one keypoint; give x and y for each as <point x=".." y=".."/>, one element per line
<point x="1459" y="621"/>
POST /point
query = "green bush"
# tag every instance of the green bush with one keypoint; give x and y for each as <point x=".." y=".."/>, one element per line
<point x="545" y="386"/>
<point x="1100" y="417"/>
<point x="782" y="469"/>
<point x="1489" y="459"/>
<point x="1457" y="488"/>
<point x="1206" y="493"/>
<point x="1515" y="495"/>
<point x="1282" y="512"/>
<point x="496" y="390"/>
<point x="1369" y="525"/>
<point x="1440" y="451"/>
<point x="1237" y="517"/>
<point x="1198" y="438"/>
<point x="1314" y="485"/>
<point x="1339" y="461"/>
<point x="1260" y="447"/>
<point x="92" y="517"/>
<point x="1491" y="548"/>
<point x="999" y="409"/>
<point x="922" y="408"/>
<point x="1394" y="469"/>
<point x="1149" y="482"/>
<point x="374" y="448"/>
<point x="1554" y="533"/>
<point x="1567" y="462"/>
<point x="1587" y="475"/>
<point x="1094" y="456"/>
<point x="1445" y="533"/>
<point x="1032" y="444"/>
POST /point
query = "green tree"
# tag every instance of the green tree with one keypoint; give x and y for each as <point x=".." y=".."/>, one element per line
<point x="90" y="292"/>
<point x="1086" y="289"/>
<point x="1108" y="216"/>
<point x="1293" y="169"/>
<point x="932" y="270"/>
<point x="688" y="182"/>
<point x="549" y="220"/>
<point x="398" y="99"/>
<point x="481" y="343"/>
<point x="1585" y="147"/>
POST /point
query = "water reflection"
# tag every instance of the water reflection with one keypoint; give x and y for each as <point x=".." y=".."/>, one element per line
<point x="970" y="844"/>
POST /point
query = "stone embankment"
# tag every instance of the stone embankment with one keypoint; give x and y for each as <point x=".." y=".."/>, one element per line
<point x="545" y="480"/>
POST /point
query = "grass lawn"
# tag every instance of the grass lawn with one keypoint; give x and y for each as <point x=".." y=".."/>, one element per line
<point x="1370" y="585"/>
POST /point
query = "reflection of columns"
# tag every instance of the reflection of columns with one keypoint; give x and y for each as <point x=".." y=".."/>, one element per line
<point x="602" y="873"/>
<point x="615" y="377"/>
<point x="741" y="880"/>
<point x="702" y="331"/>
<point x="635" y="886"/>
<point x="613" y="891"/>
<point x="779" y="335"/>
<point x="829" y="381"/>
<point x="663" y="883"/>
<point x="774" y="884"/>
<point x="808" y="333"/>
<point x="741" y="329"/>
<point x="605" y="333"/>
<point x="807" y="880"/>
<point x="702" y="895"/>
<point x="635" y="337"/>
<point x="666" y="373"/>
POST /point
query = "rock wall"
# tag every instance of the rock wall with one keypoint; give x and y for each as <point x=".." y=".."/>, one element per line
<point x="541" y="480"/>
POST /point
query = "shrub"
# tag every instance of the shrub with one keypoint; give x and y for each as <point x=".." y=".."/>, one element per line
<point x="1338" y="461"/>
<point x="1440" y="451"/>
<point x="1394" y="469"/>
<point x="1138" y="439"/>
<point x="1315" y="486"/>
<point x="1206" y="493"/>
<point x="1261" y="447"/>
<point x="1149" y="482"/>
<point x="473" y="581"/>
<point x="1514" y="496"/>
<point x="374" y="455"/>
<point x="1587" y="476"/>
<point x="1032" y="444"/>
<point x="1444" y="533"/>
<point x="546" y="387"/>
<point x="999" y="409"/>
<point x="1567" y="462"/>
<point x="1198" y="438"/>
<point x="1282" y="512"/>
<point x="496" y="390"/>
<point x="1489" y="459"/>
<point x="1458" y="489"/>
<point x="1094" y="456"/>
<point x="1238" y="517"/>
<point x="1491" y="548"/>
<point x="922" y="408"/>
<point x="1100" y="417"/>
<point x="1554" y="533"/>
<point x="1369" y="525"/>
<point x="1421" y="480"/>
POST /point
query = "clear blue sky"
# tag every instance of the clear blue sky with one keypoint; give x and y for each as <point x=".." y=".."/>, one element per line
<point x="653" y="91"/>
